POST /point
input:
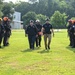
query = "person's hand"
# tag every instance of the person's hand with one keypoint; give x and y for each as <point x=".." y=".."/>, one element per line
<point x="36" y="35"/>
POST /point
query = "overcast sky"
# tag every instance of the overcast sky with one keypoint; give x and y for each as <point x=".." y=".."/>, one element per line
<point x="15" y="0"/>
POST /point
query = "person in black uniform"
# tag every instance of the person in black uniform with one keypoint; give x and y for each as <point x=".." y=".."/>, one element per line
<point x="1" y="31"/>
<point x="70" y="33"/>
<point x="38" y="38"/>
<point x="32" y="34"/>
<point x="47" y="30"/>
<point x="7" y="30"/>
<point x="73" y="33"/>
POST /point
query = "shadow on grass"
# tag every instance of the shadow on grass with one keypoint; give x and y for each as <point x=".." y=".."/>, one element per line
<point x="70" y="48"/>
<point x="27" y="50"/>
<point x="30" y="50"/>
<point x="44" y="51"/>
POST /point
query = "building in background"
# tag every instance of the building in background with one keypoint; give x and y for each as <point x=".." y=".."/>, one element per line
<point x="17" y="23"/>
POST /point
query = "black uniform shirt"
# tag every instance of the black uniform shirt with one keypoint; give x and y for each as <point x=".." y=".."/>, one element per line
<point x="47" y="28"/>
<point x="39" y="27"/>
<point x="69" y="28"/>
<point x="7" y="26"/>
<point x="31" y="30"/>
<point x="73" y="29"/>
<point x="1" y="29"/>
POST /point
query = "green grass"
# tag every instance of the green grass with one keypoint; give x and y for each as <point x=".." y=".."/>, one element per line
<point x="17" y="59"/>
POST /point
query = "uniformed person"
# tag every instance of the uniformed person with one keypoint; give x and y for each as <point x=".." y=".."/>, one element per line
<point x="32" y="34"/>
<point x="7" y="31"/>
<point x="69" y="32"/>
<point x="38" y="38"/>
<point x="1" y="31"/>
<point x="73" y="32"/>
<point x="47" y="30"/>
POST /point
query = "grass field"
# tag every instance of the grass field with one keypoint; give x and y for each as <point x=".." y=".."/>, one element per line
<point x="17" y="59"/>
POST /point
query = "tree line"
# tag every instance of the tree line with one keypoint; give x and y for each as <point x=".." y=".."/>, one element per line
<point x="59" y="11"/>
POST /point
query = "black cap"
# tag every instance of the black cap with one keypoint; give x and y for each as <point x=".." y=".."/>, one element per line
<point x="31" y="21"/>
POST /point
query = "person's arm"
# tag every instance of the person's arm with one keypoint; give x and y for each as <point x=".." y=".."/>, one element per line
<point x="42" y="30"/>
<point x="26" y="32"/>
<point x="53" y="32"/>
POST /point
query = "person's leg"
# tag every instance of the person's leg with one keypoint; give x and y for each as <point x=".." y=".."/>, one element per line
<point x="0" y="40"/>
<point x="36" y="41"/>
<point x="5" y="39"/>
<point x="70" y="39"/>
<point x="49" y="40"/>
<point x="33" y="41"/>
<point x="8" y="38"/>
<point x="74" y="41"/>
<point x="29" y="39"/>
<point x="45" y="40"/>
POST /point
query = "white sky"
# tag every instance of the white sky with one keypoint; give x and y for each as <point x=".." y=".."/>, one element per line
<point x="15" y="0"/>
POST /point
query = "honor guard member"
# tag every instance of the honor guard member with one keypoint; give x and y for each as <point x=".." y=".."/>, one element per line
<point x="47" y="31"/>
<point x="1" y="31"/>
<point x="7" y="29"/>
<point x="38" y="38"/>
<point x="73" y="33"/>
<point x="32" y="34"/>
<point x="69" y="32"/>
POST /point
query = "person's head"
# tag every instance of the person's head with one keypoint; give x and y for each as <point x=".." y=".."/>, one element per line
<point x="5" y="19"/>
<point x="31" y="22"/>
<point x="37" y="21"/>
<point x="47" y="20"/>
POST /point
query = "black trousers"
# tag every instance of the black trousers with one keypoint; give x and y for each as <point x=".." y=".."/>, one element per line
<point x="38" y="41"/>
<point x="1" y="37"/>
<point x="5" y="39"/>
<point x="73" y="41"/>
<point x="31" y="39"/>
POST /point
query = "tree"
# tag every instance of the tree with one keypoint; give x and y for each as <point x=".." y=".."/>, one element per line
<point x="22" y="7"/>
<point x="32" y="1"/>
<point x="1" y="2"/>
<point x="41" y="18"/>
<point x="58" y="20"/>
<point x="29" y="16"/>
<point x="7" y="10"/>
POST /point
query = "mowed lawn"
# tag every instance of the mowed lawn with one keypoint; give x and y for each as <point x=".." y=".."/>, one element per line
<point x="17" y="59"/>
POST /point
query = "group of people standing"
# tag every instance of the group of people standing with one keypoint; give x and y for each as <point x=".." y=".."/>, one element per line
<point x="71" y="33"/>
<point x="5" y="31"/>
<point x="35" y="32"/>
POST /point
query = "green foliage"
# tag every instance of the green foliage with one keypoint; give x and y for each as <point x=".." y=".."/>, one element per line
<point x="1" y="14"/>
<point x="7" y="10"/>
<point x="41" y="18"/>
<point x="29" y="16"/>
<point x="73" y="18"/>
<point x="1" y="2"/>
<point x="58" y="20"/>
